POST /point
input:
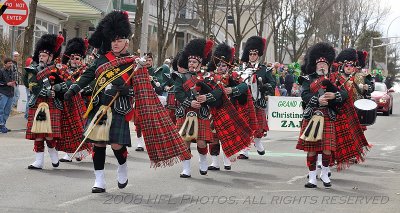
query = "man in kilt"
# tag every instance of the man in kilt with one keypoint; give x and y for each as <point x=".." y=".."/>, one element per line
<point x="261" y="84"/>
<point x="116" y="84"/>
<point x="238" y="92"/>
<point x="45" y="108"/>
<point x="195" y="54"/>
<point x="322" y="100"/>
<point x="72" y="115"/>
<point x="351" y="141"/>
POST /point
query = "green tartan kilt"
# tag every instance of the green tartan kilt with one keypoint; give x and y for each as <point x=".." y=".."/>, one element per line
<point x="119" y="130"/>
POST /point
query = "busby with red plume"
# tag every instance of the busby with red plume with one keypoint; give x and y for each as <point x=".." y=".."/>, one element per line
<point x="362" y="58"/>
<point x="319" y="52"/>
<point x="254" y="44"/>
<point x="224" y="53"/>
<point x="114" y="25"/>
<point x="50" y="44"/>
<point x="199" y="49"/>
<point x="75" y="46"/>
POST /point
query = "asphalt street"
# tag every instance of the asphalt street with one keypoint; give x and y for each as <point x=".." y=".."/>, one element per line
<point x="270" y="183"/>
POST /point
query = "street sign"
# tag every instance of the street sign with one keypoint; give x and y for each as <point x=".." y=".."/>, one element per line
<point x="16" y="13"/>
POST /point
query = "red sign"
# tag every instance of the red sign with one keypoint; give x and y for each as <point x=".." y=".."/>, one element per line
<point x="16" y="12"/>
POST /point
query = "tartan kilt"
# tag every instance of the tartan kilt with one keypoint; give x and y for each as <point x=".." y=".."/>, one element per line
<point x="171" y="101"/>
<point x="204" y="132"/>
<point x="328" y="141"/>
<point x="350" y="139"/>
<point x="171" y="113"/>
<point x="247" y="111"/>
<point x="262" y="123"/>
<point x="55" y="117"/>
<point x="119" y="130"/>
<point x="72" y="126"/>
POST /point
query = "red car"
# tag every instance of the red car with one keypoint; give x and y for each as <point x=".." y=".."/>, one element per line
<point x="384" y="98"/>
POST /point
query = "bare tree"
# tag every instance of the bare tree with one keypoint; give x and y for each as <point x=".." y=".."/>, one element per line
<point x="138" y="26"/>
<point x="29" y="30"/>
<point x="206" y="10"/>
<point x="167" y="16"/>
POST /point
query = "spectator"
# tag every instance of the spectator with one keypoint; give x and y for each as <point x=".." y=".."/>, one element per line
<point x="289" y="80"/>
<point x="7" y="85"/>
<point x="17" y="78"/>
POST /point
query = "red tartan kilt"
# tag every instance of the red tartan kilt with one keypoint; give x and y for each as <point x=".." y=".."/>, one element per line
<point x="72" y="126"/>
<point x="171" y="101"/>
<point x="55" y="117"/>
<point x="171" y="113"/>
<point x="262" y="123"/>
<point x="204" y="132"/>
<point x="328" y="141"/>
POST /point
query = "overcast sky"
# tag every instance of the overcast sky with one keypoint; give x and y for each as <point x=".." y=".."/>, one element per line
<point x="394" y="29"/>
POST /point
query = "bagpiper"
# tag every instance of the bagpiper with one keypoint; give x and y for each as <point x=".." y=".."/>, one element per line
<point x="322" y="101"/>
<point x="261" y="83"/>
<point x="72" y="115"/>
<point x="45" y="107"/>
<point x="221" y="65"/>
<point x="119" y="77"/>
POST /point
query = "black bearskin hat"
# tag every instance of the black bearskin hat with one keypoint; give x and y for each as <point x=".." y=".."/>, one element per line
<point x="319" y="52"/>
<point x="199" y="49"/>
<point x="50" y="44"/>
<point x="222" y="52"/>
<point x="253" y="44"/>
<point x="114" y="25"/>
<point x="75" y="46"/>
<point x="362" y="58"/>
<point x="348" y="55"/>
<point x="176" y="60"/>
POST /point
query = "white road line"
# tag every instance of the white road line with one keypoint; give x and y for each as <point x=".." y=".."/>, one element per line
<point x="295" y="178"/>
<point x="388" y="148"/>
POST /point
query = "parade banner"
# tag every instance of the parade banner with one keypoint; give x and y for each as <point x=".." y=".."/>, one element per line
<point x="284" y="113"/>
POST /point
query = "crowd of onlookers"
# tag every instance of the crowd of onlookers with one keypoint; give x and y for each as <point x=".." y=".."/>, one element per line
<point x="10" y="78"/>
<point x="286" y="80"/>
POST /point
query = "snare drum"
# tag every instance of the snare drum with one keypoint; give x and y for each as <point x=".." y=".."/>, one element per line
<point x="366" y="110"/>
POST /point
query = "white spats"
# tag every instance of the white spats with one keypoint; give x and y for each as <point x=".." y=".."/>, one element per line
<point x="186" y="168"/>
<point x="39" y="160"/>
<point x="227" y="161"/>
<point x="324" y="174"/>
<point x="258" y="144"/>
<point x="140" y="142"/>
<point x="100" y="181"/>
<point x="312" y="177"/>
<point x="122" y="173"/>
<point x="245" y="152"/>
<point x="53" y="156"/>
<point x="203" y="162"/>
<point x="215" y="162"/>
<point x="67" y="157"/>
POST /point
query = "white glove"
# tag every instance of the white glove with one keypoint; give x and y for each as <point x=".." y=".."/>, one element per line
<point x="140" y="62"/>
<point x="361" y="86"/>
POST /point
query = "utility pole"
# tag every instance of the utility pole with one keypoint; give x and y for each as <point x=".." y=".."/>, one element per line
<point x="29" y="30"/>
<point x="341" y="4"/>
<point x="145" y="28"/>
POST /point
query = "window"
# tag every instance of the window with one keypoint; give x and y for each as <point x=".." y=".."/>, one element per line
<point x="129" y="2"/>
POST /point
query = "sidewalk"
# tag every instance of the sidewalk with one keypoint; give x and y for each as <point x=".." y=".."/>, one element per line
<point x="16" y="122"/>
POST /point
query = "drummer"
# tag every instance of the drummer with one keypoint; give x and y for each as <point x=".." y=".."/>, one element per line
<point x="350" y="136"/>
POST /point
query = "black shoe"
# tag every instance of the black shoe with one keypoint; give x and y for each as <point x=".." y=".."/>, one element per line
<point x="98" y="190"/>
<point x="329" y="174"/>
<point x="65" y="160"/>
<point x="327" y="185"/>
<point x="213" y="168"/>
<point x="139" y="149"/>
<point x="121" y="186"/>
<point x="242" y="156"/>
<point x="184" y="176"/>
<point x="203" y="172"/>
<point x="261" y="152"/>
<point x="310" y="185"/>
<point x="33" y="167"/>
<point x="319" y="167"/>
<point x="56" y="164"/>
<point x="227" y="167"/>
